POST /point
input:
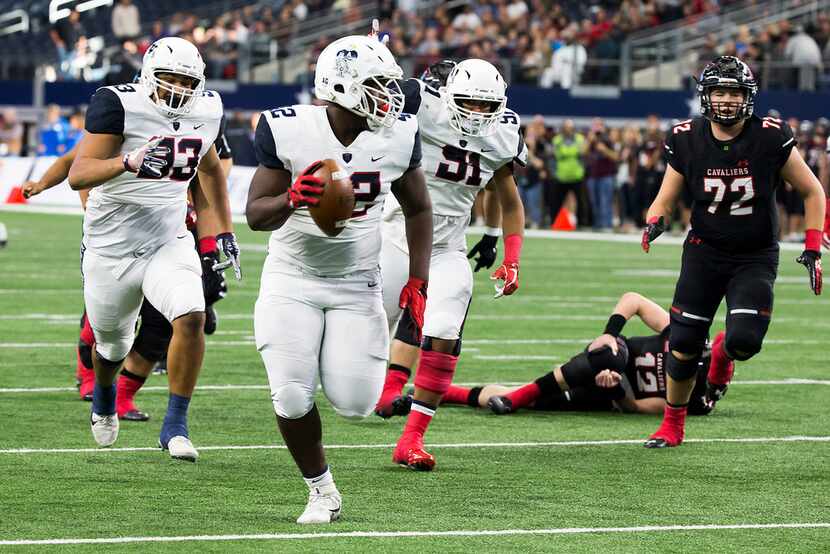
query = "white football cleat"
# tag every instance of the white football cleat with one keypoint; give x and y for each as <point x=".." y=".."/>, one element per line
<point x="181" y="448"/>
<point x="104" y="428"/>
<point x="321" y="508"/>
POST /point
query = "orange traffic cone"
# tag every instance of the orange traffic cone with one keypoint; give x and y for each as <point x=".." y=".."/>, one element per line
<point x="564" y="221"/>
<point x="16" y="196"/>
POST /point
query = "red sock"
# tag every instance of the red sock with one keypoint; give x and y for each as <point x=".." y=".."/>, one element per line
<point x="673" y="427"/>
<point x="416" y="424"/>
<point x="524" y="396"/>
<point x="128" y="385"/>
<point x="456" y="395"/>
<point x="397" y="377"/>
<point x="721" y="366"/>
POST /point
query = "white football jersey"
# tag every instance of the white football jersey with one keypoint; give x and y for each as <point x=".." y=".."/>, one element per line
<point x="456" y="166"/>
<point x="135" y="213"/>
<point x="292" y="138"/>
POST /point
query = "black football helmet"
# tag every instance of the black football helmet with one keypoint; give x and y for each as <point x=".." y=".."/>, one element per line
<point x="727" y="72"/>
<point x="436" y="74"/>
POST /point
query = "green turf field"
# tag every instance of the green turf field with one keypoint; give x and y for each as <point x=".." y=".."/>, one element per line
<point x="544" y="482"/>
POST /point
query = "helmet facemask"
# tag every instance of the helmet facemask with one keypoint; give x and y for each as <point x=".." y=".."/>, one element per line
<point x="470" y="122"/>
<point x="726" y="112"/>
<point x="173" y="100"/>
<point x="381" y="101"/>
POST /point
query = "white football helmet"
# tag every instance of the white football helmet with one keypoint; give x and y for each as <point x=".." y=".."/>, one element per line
<point x="178" y="56"/>
<point x="360" y="74"/>
<point x="478" y="81"/>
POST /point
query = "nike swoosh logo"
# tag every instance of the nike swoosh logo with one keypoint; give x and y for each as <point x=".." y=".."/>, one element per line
<point x="483" y="150"/>
<point x="373" y="285"/>
<point x="379" y="158"/>
<point x="198" y="126"/>
<point x="181" y="237"/>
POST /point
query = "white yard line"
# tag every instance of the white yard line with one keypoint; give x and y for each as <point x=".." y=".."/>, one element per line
<point x="547" y="444"/>
<point x="223" y="388"/>
<point x="410" y="534"/>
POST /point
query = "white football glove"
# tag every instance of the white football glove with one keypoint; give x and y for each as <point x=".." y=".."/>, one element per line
<point x="149" y="158"/>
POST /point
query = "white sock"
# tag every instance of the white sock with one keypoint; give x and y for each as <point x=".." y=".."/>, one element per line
<point x="322" y="484"/>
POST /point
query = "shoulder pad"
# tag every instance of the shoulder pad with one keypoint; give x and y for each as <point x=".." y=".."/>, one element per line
<point x="105" y="114"/>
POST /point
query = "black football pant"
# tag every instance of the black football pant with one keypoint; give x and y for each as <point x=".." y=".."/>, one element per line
<point x="707" y="276"/>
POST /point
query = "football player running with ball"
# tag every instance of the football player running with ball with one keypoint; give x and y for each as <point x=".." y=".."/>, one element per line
<point x="319" y="317"/>
<point x="470" y="140"/>
<point x="731" y="161"/>
<point x="142" y="145"/>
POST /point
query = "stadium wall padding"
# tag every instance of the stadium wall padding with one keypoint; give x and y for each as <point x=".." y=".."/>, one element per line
<point x="586" y="102"/>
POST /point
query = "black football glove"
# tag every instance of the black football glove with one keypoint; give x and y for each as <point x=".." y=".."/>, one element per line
<point x="230" y="248"/>
<point x="486" y="250"/>
<point x="654" y="228"/>
<point x="812" y="261"/>
<point x="213" y="281"/>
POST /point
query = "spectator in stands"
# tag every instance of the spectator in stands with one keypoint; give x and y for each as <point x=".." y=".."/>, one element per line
<point x="536" y="172"/>
<point x="569" y="175"/>
<point x="650" y="166"/>
<point x="126" y="21"/>
<point x="75" y="130"/>
<point x="467" y="20"/>
<point x="126" y="64"/>
<point x="631" y="202"/>
<point x="803" y="51"/>
<point x="602" y="168"/>
<point x="567" y="63"/>
<point x="240" y="135"/>
<point x="11" y="133"/>
<point x="65" y="34"/>
<point x="53" y="133"/>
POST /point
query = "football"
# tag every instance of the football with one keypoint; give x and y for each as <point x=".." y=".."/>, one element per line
<point x="337" y="202"/>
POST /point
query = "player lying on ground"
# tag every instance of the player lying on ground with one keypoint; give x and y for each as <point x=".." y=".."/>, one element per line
<point x="319" y="317"/>
<point x="730" y="161"/>
<point x="614" y="372"/>
<point x="470" y="141"/>
<point x="142" y="145"/>
<point x="155" y="332"/>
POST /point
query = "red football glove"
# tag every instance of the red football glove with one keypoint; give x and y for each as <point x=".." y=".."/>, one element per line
<point x="509" y="273"/>
<point x="414" y="298"/>
<point x="307" y="189"/>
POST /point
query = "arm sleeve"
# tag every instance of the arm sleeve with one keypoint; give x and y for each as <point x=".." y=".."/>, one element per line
<point x="223" y="149"/>
<point x="415" y="158"/>
<point x="672" y="154"/>
<point x="411" y="89"/>
<point x="521" y="151"/>
<point x="105" y="114"/>
<point x="265" y="147"/>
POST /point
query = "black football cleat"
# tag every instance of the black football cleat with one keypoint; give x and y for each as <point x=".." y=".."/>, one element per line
<point x="500" y="405"/>
<point x="134" y="415"/>
<point x="210" y="320"/>
<point x="161" y="367"/>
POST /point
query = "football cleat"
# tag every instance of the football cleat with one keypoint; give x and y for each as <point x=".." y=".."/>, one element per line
<point x="411" y="454"/>
<point x="210" y="320"/>
<point x="181" y="448"/>
<point x="399" y="406"/>
<point x="665" y="437"/>
<point x="321" y="508"/>
<point x="134" y="415"/>
<point x="500" y="405"/>
<point x="104" y="428"/>
<point x="161" y="367"/>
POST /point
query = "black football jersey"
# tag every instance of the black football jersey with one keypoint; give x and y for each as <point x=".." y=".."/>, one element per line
<point x="732" y="183"/>
<point x="646" y="369"/>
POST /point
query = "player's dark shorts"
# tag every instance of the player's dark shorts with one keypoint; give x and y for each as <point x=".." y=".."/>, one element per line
<point x="708" y="275"/>
<point x="580" y="399"/>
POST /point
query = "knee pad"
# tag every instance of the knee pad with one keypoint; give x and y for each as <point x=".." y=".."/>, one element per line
<point x="406" y="330"/>
<point x="744" y="338"/>
<point x="153" y="338"/>
<point x="114" y="345"/>
<point x="682" y="370"/>
<point x="688" y="339"/>
<point x="604" y="358"/>
<point x="292" y="400"/>
<point x="426" y="346"/>
<point x="355" y="412"/>
<point x="435" y="371"/>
